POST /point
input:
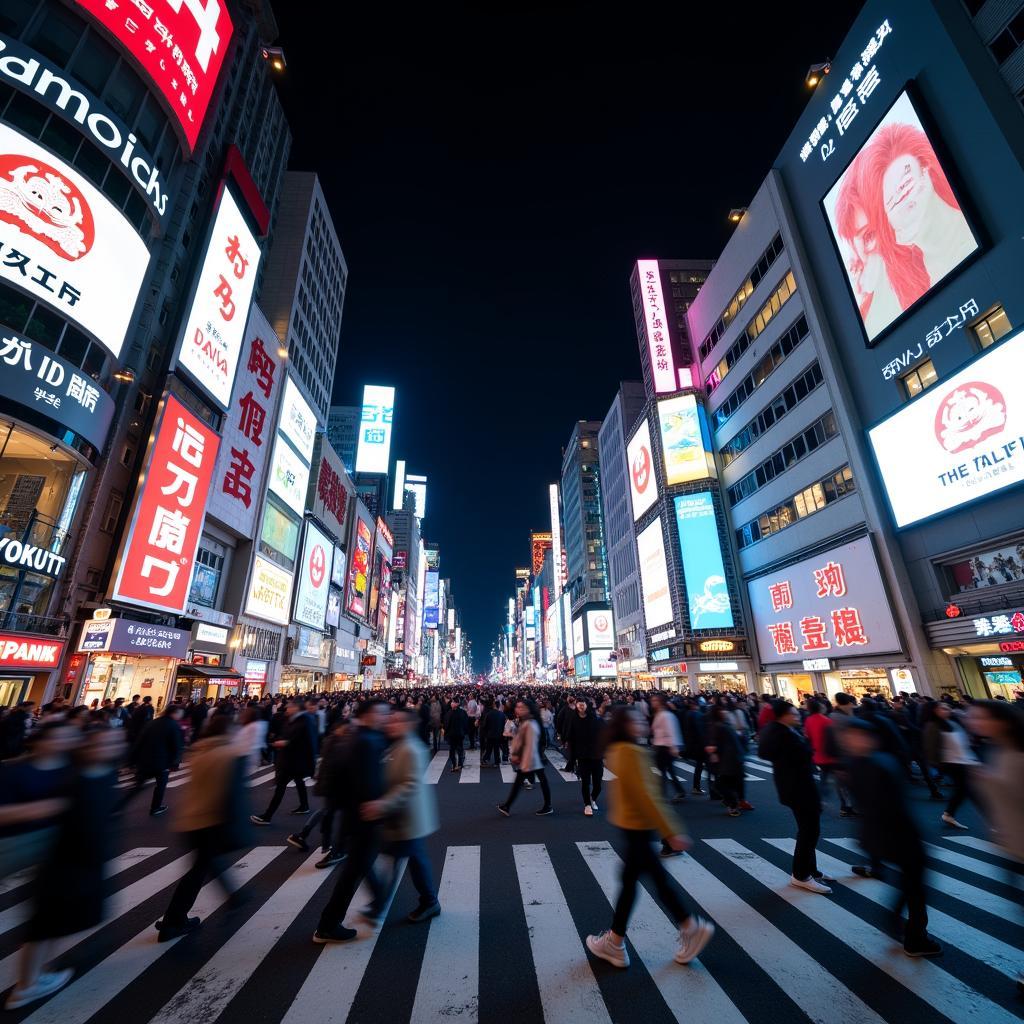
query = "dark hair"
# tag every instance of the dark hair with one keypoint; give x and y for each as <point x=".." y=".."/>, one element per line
<point x="217" y="725"/>
<point x="1009" y="716"/>
<point x="781" y="707"/>
<point x="845" y="698"/>
<point x="619" y="725"/>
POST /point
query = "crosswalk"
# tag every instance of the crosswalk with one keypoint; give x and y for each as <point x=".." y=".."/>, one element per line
<point x="829" y="959"/>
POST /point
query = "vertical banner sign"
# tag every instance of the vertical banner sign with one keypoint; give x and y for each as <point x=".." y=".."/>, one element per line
<point x="659" y="345"/>
<point x="313" y="579"/>
<point x="707" y="594"/>
<point x="215" y="327"/>
<point x="157" y="558"/>
<point x="373" y="451"/>
<point x="248" y="430"/>
<point x="556" y="539"/>
<point x="359" y="567"/>
<point x="643" y="486"/>
<point x="179" y="45"/>
<point x="650" y="549"/>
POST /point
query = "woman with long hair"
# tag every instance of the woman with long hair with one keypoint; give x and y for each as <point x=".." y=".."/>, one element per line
<point x="638" y="810"/>
<point x="525" y="757"/>
<point x="946" y="743"/>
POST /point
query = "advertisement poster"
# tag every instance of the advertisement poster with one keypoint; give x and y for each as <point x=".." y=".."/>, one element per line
<point x="895" y="220"/>
<point x="314" y="571"/>
<point x="359" y="569"/>
<point x="650" y="549"/>
<point x="599" y="630"/>
<point x="297" y="420"/>
<point x="289" y="476"/>
<point x="707" y="595"/>
<point x="373" y="451"/>
<point x="659" y="344"/>
<point x="683" y="440"/>
<point x="643" y="487"/>
<point x="269" y="592"/>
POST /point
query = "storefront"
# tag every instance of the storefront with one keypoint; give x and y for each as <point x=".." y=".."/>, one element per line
<point x="987" y="651"/>
<point x="125" y="657"/>
<point x="723" y="677"/>
<point x="25" y="665"/>
<point x="201" y="682"/>
<point x="308" y="665"/>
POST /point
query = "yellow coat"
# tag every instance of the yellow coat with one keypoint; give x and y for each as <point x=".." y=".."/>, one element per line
<point x="635" y="802"/>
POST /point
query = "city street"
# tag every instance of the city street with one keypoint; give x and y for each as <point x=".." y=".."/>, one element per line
<point x="519" y="896"/>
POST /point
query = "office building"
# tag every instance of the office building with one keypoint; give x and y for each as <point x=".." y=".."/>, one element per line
<point x="583" y="519"/>
<point x="343" y="433"/>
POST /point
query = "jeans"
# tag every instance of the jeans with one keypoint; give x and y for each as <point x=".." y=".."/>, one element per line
<point x="591" y="773"/>
<point x="280" y="786"/>
<point x="640" y="859"/>
<point x="808" y="831"/>
<point x="435" y="738"/>
<point x="517" y="784"/>
<point x="457" y="753"/>
<point x="207" y="845"/>
<point x="324" y="817"/>
<point x="419" y="871"/>
<point x="472" y="734"/>
<point x="663" y="762"/>
<point x="362" y="844"/>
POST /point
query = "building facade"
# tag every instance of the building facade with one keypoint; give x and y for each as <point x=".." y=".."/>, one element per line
<point x="583" y="518"/>
<point x="343" y="433"/>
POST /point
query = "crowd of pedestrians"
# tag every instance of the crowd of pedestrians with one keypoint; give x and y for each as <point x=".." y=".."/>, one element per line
<point x="367" y="754"/>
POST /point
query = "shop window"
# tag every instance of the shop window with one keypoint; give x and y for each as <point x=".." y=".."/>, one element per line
<point x="991" y="327"/>
<point x="991" y="568"/>
<point x="922" y="377"/>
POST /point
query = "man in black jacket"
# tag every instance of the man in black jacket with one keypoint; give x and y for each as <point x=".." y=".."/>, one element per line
<point x="491" y="727"/>
<point x="456" y="725"/>
<point x="295" y="761"/>
<point x="156" y="752"/>
<point x="359" y="779"/>
<point x="790" y="755"/>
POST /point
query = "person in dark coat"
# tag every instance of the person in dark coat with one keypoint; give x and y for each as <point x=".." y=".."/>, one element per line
<point x="586" y="738"/>
<point x="888" y="832"/>
<point x="141" y="716"/>
<point x="456" y="726"/>
<point x="332" y="749"/>
<point x="492" y="726"/>
<point x="725" y="754"/>
<point x="156" y="753"/>
<point x="793" y="767"/>
<point x="295" y="760"/>
<point x="563" y="718"/>
<point x="357" y="780"/>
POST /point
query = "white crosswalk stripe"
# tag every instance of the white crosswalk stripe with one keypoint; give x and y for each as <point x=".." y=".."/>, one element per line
<point x="982" y="846"/>
<point x="436" y="768"/>
<point x="471" y="769"/>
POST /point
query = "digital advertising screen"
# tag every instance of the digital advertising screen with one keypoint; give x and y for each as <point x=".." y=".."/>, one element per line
<point x="373" y="450"/>
<point x="685" y="441"/>
<point x="643" y="486"/>
<point x="599" y="629"/>
<point x="431" y="602"/>
<point x="707" y="595"/>
<point x="359" y="568"/>
<point x="650" y="549"/>
<point x="313" y="579"/>
<point x="895" y="220"/>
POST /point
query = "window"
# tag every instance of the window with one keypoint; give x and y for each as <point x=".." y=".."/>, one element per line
<point x="991" y="327"/>
<point x="112" y="513"/>
<point x="206" y="578"/>
<point x="1004" y="44"/>
<point x="920" y="378"/>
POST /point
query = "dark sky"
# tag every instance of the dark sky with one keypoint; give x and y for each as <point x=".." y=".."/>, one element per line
<point x="492" y="178"/>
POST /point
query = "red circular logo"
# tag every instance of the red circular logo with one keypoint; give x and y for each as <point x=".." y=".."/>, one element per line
<point x="968" y="415"/>
<point x="317" y="565"/>
<point x="43" y="202"/>
<point x="642" y="469"/>
<point x="601" y="623"/>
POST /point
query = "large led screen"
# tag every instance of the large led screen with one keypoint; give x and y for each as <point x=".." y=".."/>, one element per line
<point x="895" y="219"/>
<point x="373" y="450"/>
<point x="650" y="549"/>
<point x="313" y="579"/>
<point x="643" y="487"/>
<point x="684" y="440"/>
<point x="958" y="442"/>
<point x="707" y="595"/>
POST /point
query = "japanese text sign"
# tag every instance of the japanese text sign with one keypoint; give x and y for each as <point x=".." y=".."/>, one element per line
<point x="180" y="46"/>
<point x="373" y="451"/>
<point x="330" y="489"/>
<point x="659" y="344"/>
<point x="297" y="421"/>
<point x="157" y="558"/>
<point x="830" y="605"/>
<point x="643" y="485"/>
<point x="214" y="329"/>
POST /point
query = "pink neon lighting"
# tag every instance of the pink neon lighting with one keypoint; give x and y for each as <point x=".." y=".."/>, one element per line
<point x="658" y="343"/>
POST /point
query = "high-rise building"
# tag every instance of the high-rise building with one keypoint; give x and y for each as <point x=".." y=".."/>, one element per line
<point x="304" y="287"/>
<point x="620" y="538"/>
<point x="583" y="518"/>
<point x="343" y="433"/>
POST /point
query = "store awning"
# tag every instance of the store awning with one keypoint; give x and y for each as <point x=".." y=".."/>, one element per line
<point x="209" y="672"/>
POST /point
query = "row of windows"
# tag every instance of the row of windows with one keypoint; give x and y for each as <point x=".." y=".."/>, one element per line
<point x="790" y="453"/>
<point x="810" y="379"/>
<point x="782" y="294"/>
<point x="761" y="372"/>
<point x="803" y="504"/>
<point x="768" y="257"/>
<point x="1006" y="43"/>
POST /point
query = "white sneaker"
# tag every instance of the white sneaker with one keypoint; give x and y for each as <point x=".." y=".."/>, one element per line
<point x="588" y="810"/>
<point x="810" y="884"/>
<point x="603" y="946"/>
<point x="46" y="984"/>
<point x="951" y="821"/>
<point x="593" y="803"/>
<point x="693" y="937"/>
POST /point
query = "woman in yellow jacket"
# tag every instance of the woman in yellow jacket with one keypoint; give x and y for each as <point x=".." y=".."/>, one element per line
<point x="637" y="808"/>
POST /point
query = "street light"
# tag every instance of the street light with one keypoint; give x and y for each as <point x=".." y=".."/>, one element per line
<point x="816" y="72"/>
<point x="736" y="214"/>
<point x="274" y="55"/>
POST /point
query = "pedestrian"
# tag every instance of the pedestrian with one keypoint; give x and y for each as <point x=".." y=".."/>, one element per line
<point x="156" y="754"/>
<point x="525" y="757"/>
<point x="212" y="817"/>
<point x="725" y="753"/>
<point x="436" y="725"/>
<point x="666" y="739"/>
<point x="325" y="786"/>
<point x="472" y="721"/>
<point x="295" y="761"/>
<point x="888" y="832"/>
<point x="947" y="744"/>
<point x="456" y="726"/>
<point x="252" y="735"/>
<point x="491" y="727"/>
<point x="821" y="734"/>
<point x="586" y="738"/>
<point x="638" y="810"/>
<point x="407" y="812"/>
<point x="793" y="772"/>
<point x="508" y="730"/>
<point x="361" y="779"/>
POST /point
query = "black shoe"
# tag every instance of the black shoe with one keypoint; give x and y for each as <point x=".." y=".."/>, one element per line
<point x="337" y="934"/>
<point x="301" y="810"/>
<point x="863" y="871"/>
<point x="258" y="819"/>
<point x="925" y="946"/>
<point x="175" y="931"/>
<point x="330" y="858"/>
<point x="157" y="811"/>
<point x="298" y="842"/>
<point x="424" y="913"/>
<point x="503" y="809"/>
<point x="543" y="811"/>
<point x="697" y="790"/>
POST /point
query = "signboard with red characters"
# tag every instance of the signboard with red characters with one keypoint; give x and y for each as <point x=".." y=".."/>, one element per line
<point x="180" y="46"/>
<point x="248" y="430"/>
<point x="37" y="653"/>
<point x="330" y="488"/>
<point x="313" y="579"/>
<point x="156" y="560"/>
<point x="831" y="605"/>
<point x="643" y="487"/>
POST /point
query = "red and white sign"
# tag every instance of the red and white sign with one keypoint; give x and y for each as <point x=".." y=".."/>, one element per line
<point x="643" y="487"/>
<point x="64" y="243"/>
<point x="313" y="577"/>
<point x="599" y="630"/>
<point x="329" y="500"/>
<point x="18" y="650"/>
<point x="179" y="44"/>
<point x="215" y="326"/>
<point x="248" y="430"/>
<point x="155" y="567"/>
<point x="659" y="345"/>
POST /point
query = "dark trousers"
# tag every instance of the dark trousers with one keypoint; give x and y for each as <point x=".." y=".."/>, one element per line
<point x="845" y="800"/>
<point x="435" y="738"/>
<point x="957" y="774"/>
<point x="472" y="734"/>
<point x="280" y="786"/>
<point x="141" y="779"/>
<point x="207" y="845"/>
<point x="663" y="762"/>
<point x="912" y="895"/>
<point x="415" y="851"/>
<point x="504" y="749"/>
<point x="640" y="859"/>
<point x="324" y="817"/>
<point x="729" y="788"/>
<point x="517" y="784"/>
<point x="808" y="831"/>
<point x="490" y="747"/>
<point x="457" y="752"/>
<point x="699" y="764"/>
<point x="361" y="845"/>
<point x="591" y="773"/>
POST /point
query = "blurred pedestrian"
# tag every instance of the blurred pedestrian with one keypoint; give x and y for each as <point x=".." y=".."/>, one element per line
<point x="295" y="761"/>
<point x="525" y="757"/>
<point x="157" y="752"/>
<point x="585" y="734"/>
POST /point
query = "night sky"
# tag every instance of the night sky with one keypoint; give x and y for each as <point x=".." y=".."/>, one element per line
<point x="492" y="179"/>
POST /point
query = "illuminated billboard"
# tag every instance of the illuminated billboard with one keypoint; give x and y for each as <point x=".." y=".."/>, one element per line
<point x="178" y="45"/>
<point x="417" y="487"/>
<point x="650" y="549"/>
<point x="431" y="600"/>
<point x="707" y="595"/>
<point x="685" y="442"/>
<point x="895" y="220"/>
<point x="643" y="487"/>
<point x="540" y="544"/>
<point x="373" y="451"/>
<point x="556" y="537"/>
<point x="579" y="646"/>
<point x="359" y="567"/>
<point x="959" y="441"/>
<point x="289" y="476"/>
<point x="656" y="319"/>
<point x="313" y="574"/>
<point x="599" y="629"/>
<point x="297" y="420"/>
<point x="65" y="244"/>
<point x="270" y="588"/>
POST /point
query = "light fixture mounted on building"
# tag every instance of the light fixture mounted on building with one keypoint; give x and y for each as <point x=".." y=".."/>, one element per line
<point x="816" y="72"/>
<point x="274" y="55"/>
<point x="124" y="375"/>
<point x="736" y="214"/>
